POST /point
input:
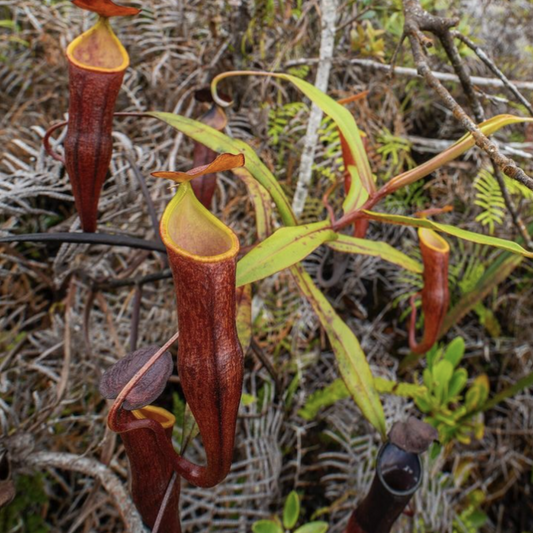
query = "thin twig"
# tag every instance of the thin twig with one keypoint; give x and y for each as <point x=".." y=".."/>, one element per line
<point x="515" y="216"/>
<point x="164" y="503"/>
<point x="452" y="52"/>
<point x="479" y="81"/>
<point x="506" y="82"/>
<point x="65" y="370"/>
<point x="416" y="21"/>
<point x="93" y="468"/>
<point x="327" y="44"/>
<point x="464" y="77"/>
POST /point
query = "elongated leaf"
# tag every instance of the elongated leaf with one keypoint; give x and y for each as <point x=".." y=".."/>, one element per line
<point x="291" y="510"/>
<point x="243" y="297"/>
<point x="523" y="383"/>
<point x="261" y="200"/>
<point x="266" y="526"/>
<point x="337" y="112"/>
<point x="487" y="240"/>
<point x="357" y="194"/>
<point x="221" y="143"/>
<point x="222" y="163"/>
<point x="351" y="359"/>
<point x="313" y="527"/>
<point x="282" y="249"/>
<point x="337" y="391"/>
<point x="405" y="390"/>
<point x="353" y="245"/>
<point x="466" y="142"/>
<point x="190" y="429"/>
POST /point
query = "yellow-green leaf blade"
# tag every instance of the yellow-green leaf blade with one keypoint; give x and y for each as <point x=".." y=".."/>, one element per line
<point x="243" y="300"/>
<point x="221" y="143"/>
<point x="351" y="360"/>
<point x="466" y="142"/>
<point x="284" y="248"/>
<point x="337" y="112"/>
<point x="466" y="235"/>
<point x="261" y="200"/>
<point x="352" y="245"/>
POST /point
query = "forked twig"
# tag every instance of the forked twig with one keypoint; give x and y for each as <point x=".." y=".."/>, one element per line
<point x="417" y="20"/>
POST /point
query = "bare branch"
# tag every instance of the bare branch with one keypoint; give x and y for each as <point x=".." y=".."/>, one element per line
<point x="416" y="21"/>
<point x="327" y="44"/>
<point x="93" y="468"/>
<point x="512" y="86"/>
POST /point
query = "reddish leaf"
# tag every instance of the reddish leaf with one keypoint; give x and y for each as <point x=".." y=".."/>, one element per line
<point x="220" y="164"/>
<point x="149" y="387"/>
<point x="106" y="8"/>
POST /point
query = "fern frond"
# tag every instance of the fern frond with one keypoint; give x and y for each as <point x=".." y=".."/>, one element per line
<point x="489" y="197"/>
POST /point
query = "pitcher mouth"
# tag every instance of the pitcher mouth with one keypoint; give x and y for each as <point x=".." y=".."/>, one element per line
<point x="189" y="229"/>
<point x="433" y="240"/>
<point x="164" y="417"/>
<point x="399" y="471"/>
<point x="98" y="50"/>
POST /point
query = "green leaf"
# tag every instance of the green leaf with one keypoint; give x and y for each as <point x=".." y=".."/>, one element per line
<point x="457" y="383"/>
<point x="351" y="360"/>
<point x="337" y="112"/>
<point x="284" y="248"/>
<point x="405" y="390"/>
<point x="442" y="374"/>
<point x="248" y="399"/>
<point x="477" y="519"/>
<point x="510" y="246"/>
<point x="266" y="526"/>
<point x="291" y="510"/>
<point x="323" y="398"/>
<point x="337" y="391"/>
<point x="261" y="200"/>
<point x="460" y="147"/>
<point x="221" y="143"/>
<point x="313" y="527"/>
<point x="243" y="318"/>
<point x="455" y="351"/>
<point x="190" y="429"/>
<point x="523" y="383"/>
<point x="357" y="195"/>
<point x="353" y="245"/>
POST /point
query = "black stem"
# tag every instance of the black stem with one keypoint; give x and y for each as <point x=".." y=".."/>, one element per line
<point x="88" y="238"/>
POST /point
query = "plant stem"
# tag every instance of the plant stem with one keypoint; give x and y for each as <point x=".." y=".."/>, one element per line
<point x="87" y="238"/>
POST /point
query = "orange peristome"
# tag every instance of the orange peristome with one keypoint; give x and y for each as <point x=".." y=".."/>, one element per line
<point x="190" y="230"/>
<point x="220" y="164"/>
<point x="106" y="8"/>
<point x="98" y="50"/>
<point x="164" y="417"/>
<point x="431" y="239"/>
